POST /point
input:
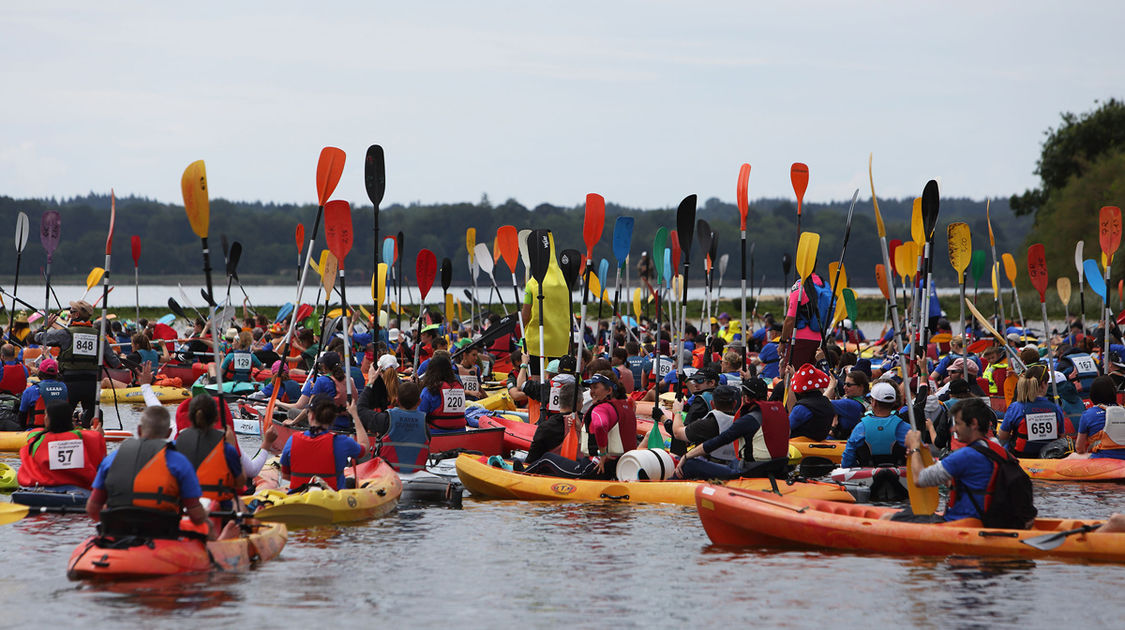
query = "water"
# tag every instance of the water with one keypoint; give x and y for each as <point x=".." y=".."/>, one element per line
<point x="502" y="563"/>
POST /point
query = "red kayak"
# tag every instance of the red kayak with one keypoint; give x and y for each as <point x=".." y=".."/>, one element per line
<point x="485" y="441"/>
<point x="517" y="434"/>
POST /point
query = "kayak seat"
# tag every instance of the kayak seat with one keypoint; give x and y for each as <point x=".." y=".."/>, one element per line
<point x="139" y="522"/>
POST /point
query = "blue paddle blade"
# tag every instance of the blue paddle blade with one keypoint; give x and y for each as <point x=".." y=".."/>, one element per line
<point x="603" y="270"/>
<point x="622" y="238"/>
<point x="389" y="251"/>
<point x="1094" y="277"/>
<point x="283" y="312"/>
<point x="667" y="267"/>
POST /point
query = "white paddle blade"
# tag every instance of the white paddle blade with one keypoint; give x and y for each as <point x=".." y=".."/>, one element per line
<point x="484" y="257"/>
<point x="474" y="267"/>
<point x="23" y="228"/>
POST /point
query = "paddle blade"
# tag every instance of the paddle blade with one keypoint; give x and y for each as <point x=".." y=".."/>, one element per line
<point x="484" y="257"/>
<point x="594" y="222"/>
<point x="786" y="263"/>
<point x="328" y="268"/>
<point x="988" y="218"/>
<point x="135" y="245"/>
<point x="892" y="248"/>
<point x="1078" y="260"/>
<point x="1009" y="266"/>
<point x="904" y="260"/>
<point x="960" y="248"/>
<point x="522" y="239"/>
<point x="390" y="250"/>
<point x="1094" y="277"/>
<point x="842" y="282"/>
<point x="538" y="246"/>
<point x="1062" y="286"/>
<point x="996" y="279"/>
<point x="112" y="220"/>
<point x="685" y="225"/>
<point x="1109" y="229"/>
<point x="594" y="284"/>
<point x="233" y="258"/>
<point x="850" y="305"/>
<point x="446" y="273"/>
<point x="380" y="281"/>
<point x="603" y="269"/>
<point x="799" y="176"/>
<point x="742" y="193"/>
<point x="375" y="174"/>
<point x="917" y="229"/>
<point x="922" y="500"/>
<point x="881" y="280"/>
<point x="299" y="237"/>
<point x="23" y="229"/>
<point x="806" y="253"/>
<point x="1037" y="269"/>
<point x="94" y="277"/>
<point x="658" y="244"/>
<point x="980" y="345"/>
<point x="667" y="266"/>
<point x="930" y="203"/>
<point x="448" y="307"/>
<point x="193" y="185"/>
<point x="318" y="264"/>
<point x="622" y="238"/>
<point x="703" y="236"/>
<point x="425" y="268"/>
<point x="724" y="260"/>
<point x="674" y="237"/>
<point x="471" y="243"/>
<point x="570" y="262"/>
<point x="874" y="199"/>
<point x="977" y="265"/>
<point x="508" y="242"/>
<point x="176" y="309"/>
<point x="338" y="228"/>
<point x="329" y="167"/>
<point x="637" y="303"/>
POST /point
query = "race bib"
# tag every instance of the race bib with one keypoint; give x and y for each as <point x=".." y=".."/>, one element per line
<point x="554" y="398"/>
<point x="246" y="427"/>
<point x="66" y="455"/>
<point x="1084" y="364"/>
<point x="84" y="345"/>
<point x="1042" y="426"/>
<point x="471" y="383"/>
<point x="665" y="367"/>
<point x="242" y="362"/>
<point x="453" y="400"/>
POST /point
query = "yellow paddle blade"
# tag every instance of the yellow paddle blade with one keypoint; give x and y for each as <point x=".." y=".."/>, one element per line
<point x="193" y="184"/>
<point x="806" y="253"/>
<point x="394" y="307"/>
<point x="904" y="261"/>
<point x="366" y="313"/>
<point x="922" y="500"/>
<point x="1009" y="267"/>
<point x="605" y="297"/>
<point x="842" y="282"/>
<point x="996" y="278"/>
<point x="448" y="307"/>
<point x="318" y="266"/>
<point x="988" y="217"/>
<point x="960" y="248"/>
<point x="840" y="314"/>
<point x="328" y="268"/>
<point x="1062" y="285"/>
<point x="874" y="199"/>
<point x="12" y="512"/>
<point x="917" y="229"/>
<point x="942" y="338"/>
<point x="637" y="304"/>
<point x="460" y="311"/>
<point x="381" y="284"/>
<point x="595" y="285"/>
<point x="94" y="277"/>
<point x="471" y="242"/>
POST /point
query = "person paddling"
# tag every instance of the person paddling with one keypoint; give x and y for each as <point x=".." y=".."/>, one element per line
<point x="78" y="356"/>
<point x="320" y="453"/>
<point x="35" y="399"/>
<point x="880" y="436"/>
<point x="404" y="438"/>
<point x="212" y="453"/>
<point x="59" y="454"/>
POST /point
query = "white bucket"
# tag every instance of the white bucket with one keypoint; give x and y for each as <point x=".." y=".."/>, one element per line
<point x="657" y="464"/>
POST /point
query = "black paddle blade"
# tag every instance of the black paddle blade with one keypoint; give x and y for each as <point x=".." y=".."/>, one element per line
<point x="539" y="255"/>
<point x="233" y="258"/>
<point x="685" y="224"/>
<point x="703" y="235"/>
<point x="446" y="273"/>
<point x="713" y="251"/>
<point x="176" y="309"/>
<point x="929" y="208"/>
<point x="786" y="263"/>
<point x="569" y="260"/>
<point x="375" y="174"/>
<point x="207" y="297"/>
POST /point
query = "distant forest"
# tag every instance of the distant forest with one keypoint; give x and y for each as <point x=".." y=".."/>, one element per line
<point x="266" y="231"/>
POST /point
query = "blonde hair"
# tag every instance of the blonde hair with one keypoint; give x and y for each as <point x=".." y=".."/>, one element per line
<point x="1031" y="381"/>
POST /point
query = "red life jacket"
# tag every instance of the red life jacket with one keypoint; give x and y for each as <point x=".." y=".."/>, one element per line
<point x="1041" y="409"/>
<point x="13" y="379"/>
<point x="624" y="429"/>
<point x="207" y="453"/>
<point x="450" y="416"/>
<point x="406" y="446"/>
<point x="775" y="431"/>
<point x="139" y="477"/>
<point x="73" y="461"/>
<point x="313" y="457"/>
<point x="49" y="392"/>
<point x="999" y="450"/>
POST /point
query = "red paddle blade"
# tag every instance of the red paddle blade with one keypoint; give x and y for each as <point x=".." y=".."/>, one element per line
<point x="338" y="229"/>
<point x="743" y="198"/>
<point x="508" y="243"/>
<point x="328" y="170"/>
<point x="674" y="237"/>
<point x="1120" y="289"/>
<point x="979" y="346"/>
<point x="135" y="241"/>
<point x="799" y="175"/>
<point x="303" y="312"/>
<point x="891" y="247"/>
<point x="594" y="222"/>
<point x="1037" y="269"/>
<point x="425" y="268"/>
<point x="881" y="280"/>
<point x="299" y="236"/>
<point x="1109" y="229"/>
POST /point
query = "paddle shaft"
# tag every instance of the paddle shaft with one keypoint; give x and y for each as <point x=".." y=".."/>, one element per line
<point x="1050" y="360"/>
<point x="137" y="285"/>
<point x="683" y="321"/>
<point x="964" y="338"/>
<point x="347" y="337"/>
<point x="1106" y="316"/>
<point x="745" y="330"/>
<point x="15" y="288"/>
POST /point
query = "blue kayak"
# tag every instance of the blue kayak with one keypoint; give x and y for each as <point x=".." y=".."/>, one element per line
<point x="51" y="496"/>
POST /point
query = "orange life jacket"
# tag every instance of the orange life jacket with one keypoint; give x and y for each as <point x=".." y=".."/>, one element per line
<point x="206" y="450"/>
<point x="139" y="477"/>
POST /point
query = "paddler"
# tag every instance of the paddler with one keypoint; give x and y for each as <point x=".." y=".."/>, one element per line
<point x="701" y="385"/>
<point x="1032" y="420"/>
<point x="212" y="453"/>
<point x="404" y="439"/>
<point x="36" y="399"/>
<point x="996" y="359"/>
<point x="332" y="384"/>
<point x="381" y="392"/>
<point x="13" y="377"/>
<point x="290" y="389"/>
<point x="1101" y="430"/>
<point x="20" y="331"/>
<point x="880" y="436"/>
<point x="609" y="426"/>
<point x="443" y="396"/>
<point x="810" y="413"/>
<point x="468" y="370"/>
<point x="239" y="364"/>
<point x="59" y="454"/>
<point x="319" y="452"/>
<point x="852" y="406"/>
<point x="78" y="356"/>
<point x="551" y="430"/>
<point x="806" y="308"/>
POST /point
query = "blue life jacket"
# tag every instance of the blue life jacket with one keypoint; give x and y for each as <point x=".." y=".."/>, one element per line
<point x="879" y="438"/>
<point x="815" y="311"/>
<point x="407" y="442"/>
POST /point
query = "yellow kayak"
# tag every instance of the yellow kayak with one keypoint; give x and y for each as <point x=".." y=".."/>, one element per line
<point x="486" y="481"/>
<point x="376" y="494"/>
<point x="832" y="450"/>
<point x="133" y="395"/>
<point x="499" y="401"/>
<point x="7" y="477"/>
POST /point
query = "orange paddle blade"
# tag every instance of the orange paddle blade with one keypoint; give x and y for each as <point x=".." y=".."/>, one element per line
<point x="1009" y="266"/>
<point x="743" y="194"/>
<point x="1109" y="230"/>
<point x="193" y="184"/>
<point x="881" y="280"/>
<point x="594" y="222"/>
<point x="799" y="175"/>
<point x="328" y="170"/>
<point x="988" y="217"/>
<point x="338" y="228"/>
<point x="507" y="241"/>
<point x="1037" y="269"/>
<point x="875" y="200"/>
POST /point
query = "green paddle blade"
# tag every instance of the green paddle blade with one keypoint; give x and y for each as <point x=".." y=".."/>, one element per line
<point x="850" y="305"/>
<point x="654" y="439"/>
<point x="978" y="265"/>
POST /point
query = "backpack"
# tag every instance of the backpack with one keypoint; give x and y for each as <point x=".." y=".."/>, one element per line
<point x="811" y="314"/>
<point x="1008" y="502"/>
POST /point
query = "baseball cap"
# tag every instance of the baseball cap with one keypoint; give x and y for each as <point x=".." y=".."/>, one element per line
<point x="704" y="375"/>
<point x="553" y="366"/>
<point x="754" y="388"/>
<point x="330" y="360"/>
<point x="884" y="392"/>
<point x="393" y="334"/>
<point x="83" y="307"/>
<point x="48" y="366"/>
<point x="598" y="378"/>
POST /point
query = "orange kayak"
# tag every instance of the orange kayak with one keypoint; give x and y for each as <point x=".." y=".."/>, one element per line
<point x="1101" y="469"/>
<point x="751" y="518"/>
<point x="832" y="450"/>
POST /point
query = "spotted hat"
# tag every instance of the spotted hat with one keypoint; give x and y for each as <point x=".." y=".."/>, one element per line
<point x="809" y="378"/>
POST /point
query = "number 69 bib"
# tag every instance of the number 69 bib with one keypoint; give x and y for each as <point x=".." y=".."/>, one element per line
<point x="1042" y="426"/>
<point x="453" y="400"/>
<point x="84" y="344"/>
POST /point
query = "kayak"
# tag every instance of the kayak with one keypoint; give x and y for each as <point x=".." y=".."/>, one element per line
<point x="229" y="387"/>
<point x="484" y="441"/>
<point x="742" y="517"/>
<point x="1100" y="469"/>
<point x="13" y="441"/>
<point x="486" y="481"/>
<point x="500" y="401"/>
<point x="517" y="434"/>
<point x="51" y="496"/>
<point x="436" y="485"/>
<point x="831" y="450"/>
<point x="376" y="493"/>
<point x="7" y="478"/>
<point x="133" y="395"/>
<point x="106" y="559"/>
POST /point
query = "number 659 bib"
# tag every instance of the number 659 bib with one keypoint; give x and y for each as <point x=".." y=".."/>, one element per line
<point x="1042" y="426"/>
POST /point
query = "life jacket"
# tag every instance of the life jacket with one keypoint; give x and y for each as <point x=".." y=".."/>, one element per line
<point x="636" y="366"/>
<point x="313" y="456"/>
<point x="728" y="452"/>
<point x="450" y="416"/>
<point x="880" y="446"/>
<point x="49" y="392"/>
<point x="667" y="366"/>
<point x="993" y="386"/>
<point x="82" y="353"/>
<point x="1085" y="370"/>
<point x="206" y="450"/>
<point x="1014" y="505"/>
<point x="341" y="398"/>
<point x="406" y="446"/>
<point x="698" y="356"/>
<point x="139" y="477"/>
<point x="622" y="436"/>
<point x="734" y="379"/>
<point x="13" y="379"/>
<point x="1112" y="435"/>
<point x="771" y="441"/>
<point x="1038" y="426"/>
<point x="471" y="381"/>
<point x="815" y="311"/>
<point x="70" y="458"/>
<point x="238" y="369"/>
<point x="818" y="427"/>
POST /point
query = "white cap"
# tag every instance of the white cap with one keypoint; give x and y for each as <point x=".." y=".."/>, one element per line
<point x="884" y="392"/>
<point x="1059" y="377"/>
<point x="387" y="361"/>
<point x="393" y="334"/>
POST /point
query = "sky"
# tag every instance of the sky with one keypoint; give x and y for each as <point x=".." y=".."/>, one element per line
<point x="543" y="102"/>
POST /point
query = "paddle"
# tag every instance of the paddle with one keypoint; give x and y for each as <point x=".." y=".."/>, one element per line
<point x="930" y="205"/>
<point x="1018" y="366"/>
<point x="50" y="226"/>
<point x="375" y="181"/>
<point x="1062" y="287"/>
<point x="103" y="320"/>
<point x="839" y="269"/>
<point x="135" y="242"/>
<point x="338" y="234"/>
<point x="508" y="244"/>
<point x="592" y="224"/>
<point x="881" y="280"/>
<point x="184" y="298"/>
<point x="23" y="229"/>
<point x="523" y="234"/>
<point x="799" y="176"/>
<point x="685" y="224"/>
<point x="539" y="259"/>
<point x="658" y="245"/>
<point x="569" y="264"/>
<point x="1037" y="272"/>
<point x="176" y="309"/>
<point x="742" y="195"/>
<point x="299" y="237"/>
<point x="1010" y="271"/>
<point x="400" y="246"/>
<point x="922" y="500"/>
<point x="1109" y="237"/>
<point x="1081" y="287"/>
<point x="12" y="512"/>
<point x="724" y="260"/>
<point x="1047" y="542"/>
<point x="193" y="185"/>
<point x="425" y="268"/>
<point x="976" y="265"/>
<point x="622" y="239"/>
<point x="712" y="254"/>
<point x="995" y="261"/>
<point x="484" y="260"/>
<point x="807" y="248"/>
<point x="92" y="280"/>
<point x="446" y="280"/>
<point x="474" y="269"/>
<point x="703" y="236"/>
<point x="960" y="241"/>
<point x="786" y="265"/>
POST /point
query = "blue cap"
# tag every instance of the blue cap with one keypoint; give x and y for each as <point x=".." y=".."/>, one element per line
<point x="598" y="378"/>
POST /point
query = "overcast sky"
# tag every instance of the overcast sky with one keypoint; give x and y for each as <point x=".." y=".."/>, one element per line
<point x="643" y="102"/>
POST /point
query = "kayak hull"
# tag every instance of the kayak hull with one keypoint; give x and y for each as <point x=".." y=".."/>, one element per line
<point x="486" y="481"/>
<point x="7" y="478"/>
<point x="94" y="559"/>
<point x="13" y="441"/>
<point x="1101" y="469"/>
<point x="134" y="395"/>
<point x="376" y="494"/>
<point x="831" y="450"/>
<point x="52" y="496"/>
<point x="749" y="518"/>
<point x="485" y="441"/>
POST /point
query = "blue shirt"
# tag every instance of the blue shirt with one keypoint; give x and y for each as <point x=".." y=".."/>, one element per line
<point x="974" y="471"/>
<point x="343" y="447"/>
<point x="1016" y="413"/>
<point x="1092" y="421"/>
<point x="30" y="395"/>
<point x="770" y="361"/>
<point x="429" y="403"/>
<point x="289" y="388"/>
<point x="859" y="436"/>
<point x="798" y="416"/>
<point x="178" y="465"/>
<point x="848" y="413"/>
